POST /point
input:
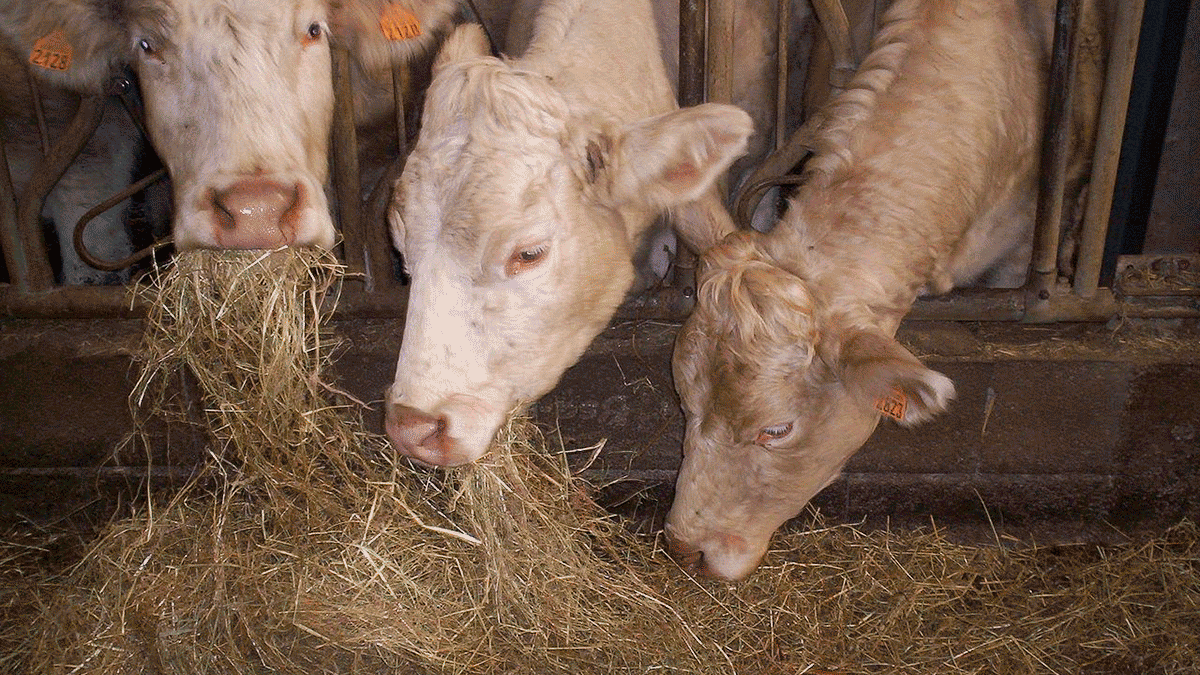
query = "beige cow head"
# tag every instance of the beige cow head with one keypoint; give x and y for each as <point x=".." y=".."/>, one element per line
<point x="517" y="216"/>
<point x="778" y="392"/>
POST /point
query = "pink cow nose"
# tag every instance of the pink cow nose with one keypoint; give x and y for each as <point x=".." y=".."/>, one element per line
<point x="420" y="435"/>
<point x="256" y="213"/>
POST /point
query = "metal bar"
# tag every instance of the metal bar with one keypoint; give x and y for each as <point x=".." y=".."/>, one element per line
<point x="118" y="302"/>
<point x="39" y="113"/>
<point x="113" y="265"/>
<point x="782" y="58"/>
<point x="344" y="157"/>
<point x="10" y="235"/>
<point x="672" y="304"/>
<point x="1043" y="272"/>
<point x="718" y="82"/>
<point x="692" y="32"/>
<point x="1109" y="135"/>
<point x="35" y="273"/>
<point x="833" y="19"/>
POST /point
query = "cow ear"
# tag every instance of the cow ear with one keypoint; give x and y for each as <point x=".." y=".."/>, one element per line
<point x="881" y="374"/>
<point x="467" y="42"/>
<point x="72" y="45"/>
<point x="674" y="158"/>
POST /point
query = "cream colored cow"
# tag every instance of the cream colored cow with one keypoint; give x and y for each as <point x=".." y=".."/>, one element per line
<point x="238" y="95"/>
<point x="521" y="205"/>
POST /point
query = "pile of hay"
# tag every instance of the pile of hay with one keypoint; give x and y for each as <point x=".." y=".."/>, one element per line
<point x="309" y="547"/>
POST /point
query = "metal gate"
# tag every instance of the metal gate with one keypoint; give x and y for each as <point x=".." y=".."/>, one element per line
<point x="1142" y="286"/>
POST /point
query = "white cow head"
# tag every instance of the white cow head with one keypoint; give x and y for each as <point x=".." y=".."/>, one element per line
<point x="517" y="216"/>
<point x="778" y="392"/>
<point x="238" y="95"/>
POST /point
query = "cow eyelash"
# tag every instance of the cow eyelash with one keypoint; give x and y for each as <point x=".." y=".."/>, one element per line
<point x="523" y="259"/>
<point x="768" y="434"/>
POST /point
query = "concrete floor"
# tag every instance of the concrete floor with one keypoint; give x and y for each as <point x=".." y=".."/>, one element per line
<point x="1063" y="432"/>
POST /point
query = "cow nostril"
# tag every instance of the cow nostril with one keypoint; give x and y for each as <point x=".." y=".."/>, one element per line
<point x="687" y="556"/>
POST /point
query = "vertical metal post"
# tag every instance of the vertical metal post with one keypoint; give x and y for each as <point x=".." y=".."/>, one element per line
<point x="718" y="82"/>
<point x="1109" y="134"/>
<point x="1043" y="272"/>
<point x="692" y="32"/>
<point x="782" y="58"/>
<point x="10" y="236"/>
<point x="344" y="156"/>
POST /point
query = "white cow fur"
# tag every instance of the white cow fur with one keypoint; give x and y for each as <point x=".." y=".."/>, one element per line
<point x="519" y="209"/>
<point x="924" y="178"/>
<point x="237" y="92"/>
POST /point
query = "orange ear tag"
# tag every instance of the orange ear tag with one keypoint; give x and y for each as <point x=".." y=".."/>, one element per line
<point x="893" y="405"/>
<point x="399" y="23"/>
<point x="52" y="51"/>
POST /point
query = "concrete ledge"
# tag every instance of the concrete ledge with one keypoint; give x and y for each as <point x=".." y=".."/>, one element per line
<point x="1053" y="425"/>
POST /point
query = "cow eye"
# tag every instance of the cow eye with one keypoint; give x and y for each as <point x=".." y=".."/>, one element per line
<point x="146" y="46"/>
<point x="314" y="32"/>
<point x="768" y="434"/>
<point x="523" y="259"/>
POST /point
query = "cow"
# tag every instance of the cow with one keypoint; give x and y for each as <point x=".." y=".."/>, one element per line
<point x="238" y="95"/>
<point x="923" y="177"/>
<point x="520" y="207"/>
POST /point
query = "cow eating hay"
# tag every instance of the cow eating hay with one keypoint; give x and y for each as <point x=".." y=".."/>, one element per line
<point x="307" y="546"/>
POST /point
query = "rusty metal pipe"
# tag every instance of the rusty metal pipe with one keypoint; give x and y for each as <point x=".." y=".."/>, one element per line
<point x="783" y="16"/>
<point x="718" y="81"/>
<point x="1043" y="272"/>
<point x="832" y="18"/>
<point x="1109" y="134"/>
<point x="113" y="265"/>
<point x="692" y="32"/>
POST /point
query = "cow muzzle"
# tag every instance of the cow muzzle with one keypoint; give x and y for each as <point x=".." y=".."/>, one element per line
<point x="257" y="213"/>
<point x="717" y="556"/>
<point x="449" y="437"/>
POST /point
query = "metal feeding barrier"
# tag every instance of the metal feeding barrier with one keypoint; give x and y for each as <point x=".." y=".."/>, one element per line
<point x="1163" y="286"/>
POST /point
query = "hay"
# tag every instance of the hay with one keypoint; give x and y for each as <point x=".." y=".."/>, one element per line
<point x="308" y="546"/>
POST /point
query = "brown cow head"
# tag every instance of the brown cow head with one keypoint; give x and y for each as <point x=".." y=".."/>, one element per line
<point x="778" y="393"/>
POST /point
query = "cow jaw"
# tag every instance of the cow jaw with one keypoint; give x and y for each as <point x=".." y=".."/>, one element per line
<point x="246" y="142"/>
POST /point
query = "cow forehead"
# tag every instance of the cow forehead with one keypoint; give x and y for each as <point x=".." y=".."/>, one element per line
<point x="182" y="20"/>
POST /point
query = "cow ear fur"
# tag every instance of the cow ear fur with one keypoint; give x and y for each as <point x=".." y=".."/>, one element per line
<point x="673" y="158"/>
<point x="468" y="41"/>
<point x="875" y="367"/>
